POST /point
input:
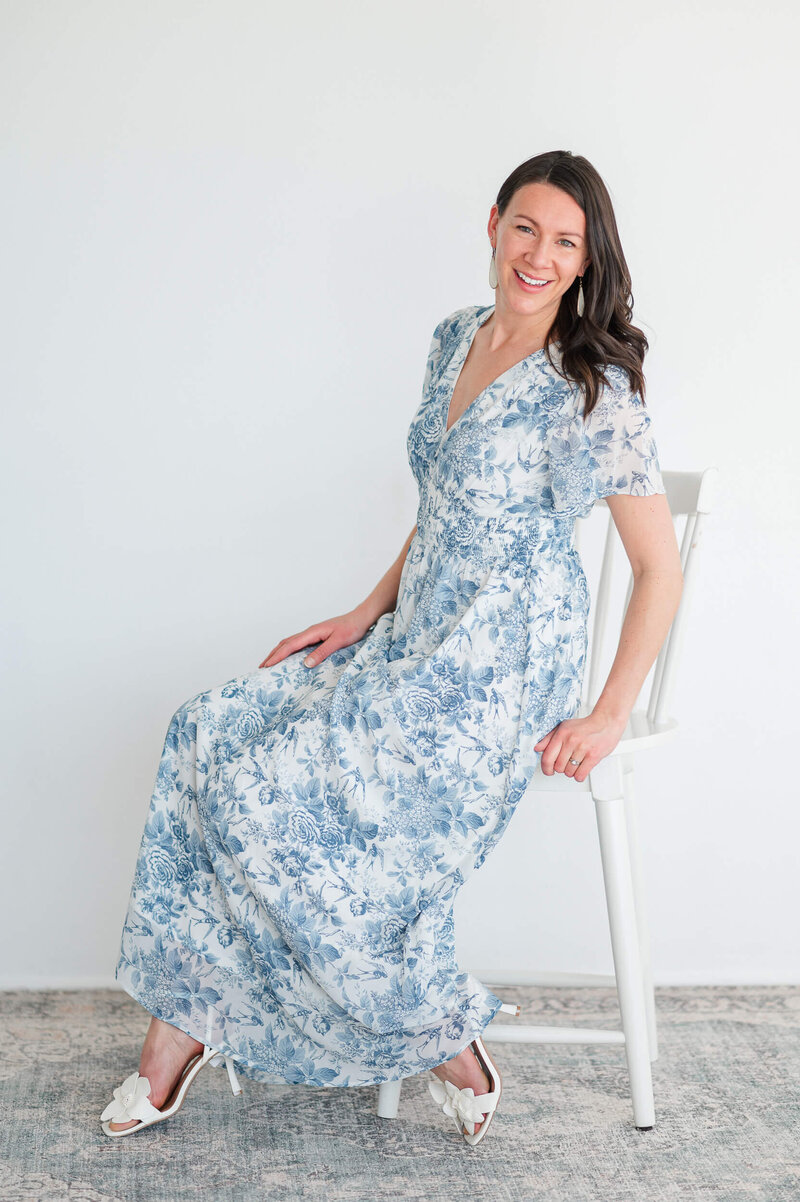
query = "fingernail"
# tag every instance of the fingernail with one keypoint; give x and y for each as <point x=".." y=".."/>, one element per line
<point x="309" y="663"/>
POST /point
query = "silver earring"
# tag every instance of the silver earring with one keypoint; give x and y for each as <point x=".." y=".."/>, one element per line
<point x="580" y="297"/>
<point x="493" y="271"/>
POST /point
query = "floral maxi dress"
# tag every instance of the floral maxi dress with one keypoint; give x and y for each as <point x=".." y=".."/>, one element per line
<point x="292" y="904"/>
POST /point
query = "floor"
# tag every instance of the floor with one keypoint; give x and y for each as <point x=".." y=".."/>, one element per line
<point x="727" y="1086"/>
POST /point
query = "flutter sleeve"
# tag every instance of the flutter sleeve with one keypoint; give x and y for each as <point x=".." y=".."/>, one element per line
<point x="613" y="451"/>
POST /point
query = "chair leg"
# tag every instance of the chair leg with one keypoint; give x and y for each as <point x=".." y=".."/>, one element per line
<point x="634" y="848"/>
<point x="389" y="1092"/>
<point x="389" y="1099"/>
<point x="611" y="827"/>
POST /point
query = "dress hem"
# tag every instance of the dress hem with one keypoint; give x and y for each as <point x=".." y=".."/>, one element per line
<point x="267" y="1077"/>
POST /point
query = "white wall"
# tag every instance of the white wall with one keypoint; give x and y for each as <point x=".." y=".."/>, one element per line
<point x="229" y="230"/>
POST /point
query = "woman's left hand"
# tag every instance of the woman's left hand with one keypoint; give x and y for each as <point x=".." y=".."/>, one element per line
<point x="587" y="740"/>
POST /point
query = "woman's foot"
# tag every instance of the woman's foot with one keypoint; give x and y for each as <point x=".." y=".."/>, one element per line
<point x="464" y="1071"/>
<point x="166" y="1052"/>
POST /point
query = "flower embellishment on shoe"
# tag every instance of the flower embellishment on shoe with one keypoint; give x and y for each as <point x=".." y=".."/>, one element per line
<point x="131" y="1102"/>
<point x="462" y="1104"/>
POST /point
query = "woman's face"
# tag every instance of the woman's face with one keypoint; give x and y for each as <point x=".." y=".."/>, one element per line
<point x="541" y="236"/>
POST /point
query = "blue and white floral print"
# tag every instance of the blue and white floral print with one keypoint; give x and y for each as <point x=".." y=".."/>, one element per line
<point x="310" y="828"/>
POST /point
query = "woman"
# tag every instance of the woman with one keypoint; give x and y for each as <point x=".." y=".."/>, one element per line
<point x="312" y="822"/>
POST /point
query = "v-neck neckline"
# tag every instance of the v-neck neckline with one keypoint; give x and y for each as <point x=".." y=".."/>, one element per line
<point x="454" y="371"/>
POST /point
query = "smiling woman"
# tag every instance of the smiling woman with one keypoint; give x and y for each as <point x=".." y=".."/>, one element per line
<point x="541" y="258"/>
<point x="561" y="271"/>
<point x="292" y="907"/>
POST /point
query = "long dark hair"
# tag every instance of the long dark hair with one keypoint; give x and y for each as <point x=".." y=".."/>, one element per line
<point x="603" y="334"/>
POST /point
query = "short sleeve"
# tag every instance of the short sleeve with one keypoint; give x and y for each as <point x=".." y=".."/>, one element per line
<point x="613" y="451"/>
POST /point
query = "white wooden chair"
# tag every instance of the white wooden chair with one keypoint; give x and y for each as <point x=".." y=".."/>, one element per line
<point x="691" y="496"/>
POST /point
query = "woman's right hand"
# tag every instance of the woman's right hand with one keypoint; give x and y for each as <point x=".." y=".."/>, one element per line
<point x="334" y="633"/>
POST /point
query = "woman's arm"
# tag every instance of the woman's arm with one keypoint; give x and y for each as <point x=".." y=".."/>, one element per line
<point x="646" y="530"/>
<point x="383" y="597"/>
<point x="344" y="629"/>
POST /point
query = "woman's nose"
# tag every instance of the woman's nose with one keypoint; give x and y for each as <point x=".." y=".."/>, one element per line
<point x="539" y="256"/>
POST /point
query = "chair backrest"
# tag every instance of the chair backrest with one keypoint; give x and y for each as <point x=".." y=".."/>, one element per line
<point x="691" y="497"/>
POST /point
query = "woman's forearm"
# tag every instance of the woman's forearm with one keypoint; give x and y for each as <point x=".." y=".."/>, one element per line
<point x="383" y="598"/>
<point x="653" y="604"/>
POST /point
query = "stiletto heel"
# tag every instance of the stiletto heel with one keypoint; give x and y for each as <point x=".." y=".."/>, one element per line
<point x="511" y="1008"/>
<point x="218" y="1061"/>
<point x="132" y="1098"/>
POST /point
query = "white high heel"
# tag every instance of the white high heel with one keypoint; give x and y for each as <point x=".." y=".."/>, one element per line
<point x="463" y="1105"/>
<point x="132" y="1098"/>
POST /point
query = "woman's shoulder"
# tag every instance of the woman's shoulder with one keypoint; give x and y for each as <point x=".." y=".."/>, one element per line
<point x="458" y="319"/>
<point x="617" y="398"/>
<point x="618" y="380"/>
<point x="449" y="332"/>
<point x="617" y="402"/>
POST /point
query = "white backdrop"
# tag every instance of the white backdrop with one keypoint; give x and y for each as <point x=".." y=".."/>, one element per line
<point x="229" y="231"/>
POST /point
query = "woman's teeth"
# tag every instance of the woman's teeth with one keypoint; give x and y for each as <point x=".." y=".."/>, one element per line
<point x="530" y="281"/>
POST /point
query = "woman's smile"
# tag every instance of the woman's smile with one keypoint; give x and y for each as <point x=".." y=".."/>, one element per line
<point x="530" y="283"/>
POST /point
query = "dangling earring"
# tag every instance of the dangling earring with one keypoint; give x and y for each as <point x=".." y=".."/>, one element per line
<point x="580" y="297"/>
<point x="493" y="271"/>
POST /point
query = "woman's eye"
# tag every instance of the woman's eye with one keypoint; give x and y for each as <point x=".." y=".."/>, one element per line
<point x="528" y="230"/>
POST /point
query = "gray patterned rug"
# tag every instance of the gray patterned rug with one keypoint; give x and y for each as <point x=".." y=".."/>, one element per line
<point x="727" y="1087"/>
